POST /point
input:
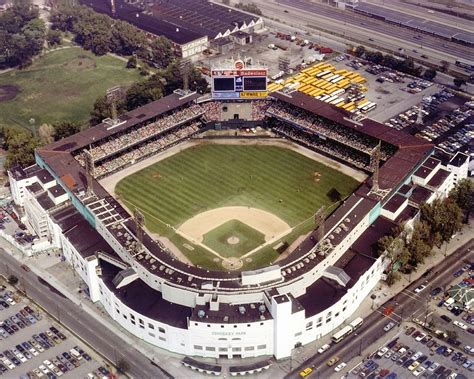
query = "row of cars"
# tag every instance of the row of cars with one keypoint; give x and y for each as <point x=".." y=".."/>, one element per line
<point x="12" y="358"/>
<point x="24" y="318"/>
<point x="59" y="365"/>
<point x="455" y="137"/>
<point x="417" y="86"/>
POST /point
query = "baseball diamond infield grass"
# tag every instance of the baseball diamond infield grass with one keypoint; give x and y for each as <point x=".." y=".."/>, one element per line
<point x="244" y="238"/>
<point x="61" y="85"/>
<point x="208" y="176"/>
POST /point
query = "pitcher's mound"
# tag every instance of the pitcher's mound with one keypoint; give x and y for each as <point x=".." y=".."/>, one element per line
<point x="233" y="240"/>
<point x="232" y="263"/>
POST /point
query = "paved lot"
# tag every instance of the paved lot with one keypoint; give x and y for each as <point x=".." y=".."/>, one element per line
<point x="32" y="357"/>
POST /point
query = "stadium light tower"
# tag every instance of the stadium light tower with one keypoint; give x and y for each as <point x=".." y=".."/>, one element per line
<point x="89" y="161"/>
<point x="374" y="167"/>
<point x="113" y="95"/>
<point x="319" y="218"/>
<point x="185" y="70"/>
<point x="139" y="220"/>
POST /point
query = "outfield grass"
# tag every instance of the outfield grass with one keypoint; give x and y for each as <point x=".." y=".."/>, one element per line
<point x="249" y="239"/>
<point x="209" y="176"/>
<point x="61" y="85"/>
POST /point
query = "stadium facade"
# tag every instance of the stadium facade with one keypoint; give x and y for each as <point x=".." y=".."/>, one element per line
<point x="197" y="312"/>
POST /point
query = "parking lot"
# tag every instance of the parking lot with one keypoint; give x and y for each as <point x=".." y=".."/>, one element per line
<point x="34" y="346"/>
<point x="415" y="353"/>
<point x="442" y="349"/>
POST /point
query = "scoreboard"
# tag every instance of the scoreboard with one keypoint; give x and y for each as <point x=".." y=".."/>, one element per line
<point x="239" y="82"/>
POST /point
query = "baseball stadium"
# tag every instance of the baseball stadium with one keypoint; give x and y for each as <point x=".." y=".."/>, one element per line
<point x="229" y="227"/>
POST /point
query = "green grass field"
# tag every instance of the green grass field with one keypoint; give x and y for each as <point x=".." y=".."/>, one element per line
<point x="248" y="239"/>
<point x="61" y="85"/>
<point x="208" y="176"/>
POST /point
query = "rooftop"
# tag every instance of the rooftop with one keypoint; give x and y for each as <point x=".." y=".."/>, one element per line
<point x="395" y="202"/>
<point x="459" y="159"/>
<point x="439" y="178"/>
<point x="144" y="300"/>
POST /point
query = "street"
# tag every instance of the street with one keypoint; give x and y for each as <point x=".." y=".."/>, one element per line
<point x="105" y="341"/>
<point x="405" y="305"/>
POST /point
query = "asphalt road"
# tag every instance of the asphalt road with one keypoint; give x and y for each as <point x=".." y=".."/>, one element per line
<point x="106" y="342"/>
<point x="379" y="26"/>
<point x="305" y="17"/>
<point x="405" y="304"/>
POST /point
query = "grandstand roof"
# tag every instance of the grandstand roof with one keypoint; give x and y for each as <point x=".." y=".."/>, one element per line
<point x="341" y="116"/>
<point x="411" y="149"/>
<point x="130" y="119"/>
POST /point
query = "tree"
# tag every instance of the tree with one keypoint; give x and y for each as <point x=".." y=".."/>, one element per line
<point x="46" y="134"/>
<point x="459" y="82"/>
<point x="226" y="2"/>
<point x="443" y="216"/>
<point x="102" y="110"/>
<point x="12" y="279"/>
<point x="444" y="66"/>
<point x="20" y="146"/>
<point x="452" y="334"/>
<point x="463" y="196"/>
<point x="429" y="74"/>
<point x="142" y="93"/>
<point x="359" y="51"/>
<point x="53" y="37"/>
<point x="22" y="34"/>
<point x="132" y="62"/>
<point x="65" y="129"/>
<point x="122" y="365"/>
<point x="250" y="7"/>
<point x="334" y="195"/>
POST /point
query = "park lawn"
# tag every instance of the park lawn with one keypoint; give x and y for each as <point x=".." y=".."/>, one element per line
<point x="61" y="85"/>
<point x="249" y="239"/>
<point x="210" y="176"/>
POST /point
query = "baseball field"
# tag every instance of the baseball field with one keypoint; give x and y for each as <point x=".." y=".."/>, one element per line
<point x="225" y="206"/>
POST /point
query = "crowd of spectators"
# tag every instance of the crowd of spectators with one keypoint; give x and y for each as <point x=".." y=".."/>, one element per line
<point x="145" y="149"/>
<point x="259" y="109"/>
<point x="129" y="138"/>
<point x="326" y="128"/>
<point x="329" y="147"/>
<point x="212" y="110"/>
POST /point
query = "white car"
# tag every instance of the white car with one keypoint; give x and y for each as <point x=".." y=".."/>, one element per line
<point x="43" y="369"/>
<point x="48" y="364"/>
<point x="460" y="325"/>
<point x="420" y="337"/>
<point x="33" y="351"/>
<point x="340" y="366"/>
<point x="9" y="364"/>
<point x="323" y="348"/>
<point x="420" y="370"/>
<point x="389" y="326"/>
<point x="38" y="373"/>
<point x="417" y="355"/>
<point x="433" y="367"/>
<point x="382" y="351"/>
<point x="10" y="301"/>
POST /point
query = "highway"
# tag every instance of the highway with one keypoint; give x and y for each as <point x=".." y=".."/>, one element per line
<point x="105" y="341"/>
<point x="374" y="25"/>
<point x="405" y="305"/>
<point x="358" y="29"/>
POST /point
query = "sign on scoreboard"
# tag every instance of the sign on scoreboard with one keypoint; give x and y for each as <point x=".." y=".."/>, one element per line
<point x="239" y="82"/>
